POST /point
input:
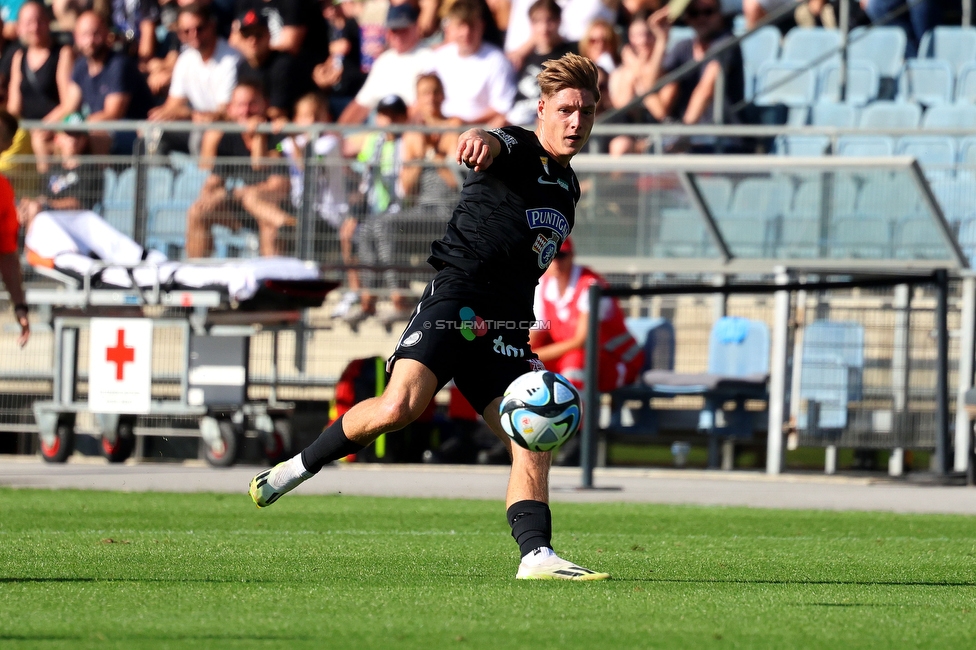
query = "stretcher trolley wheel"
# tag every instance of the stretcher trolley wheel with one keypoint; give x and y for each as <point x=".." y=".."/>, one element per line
<point x="220" y="440"/>
<point x="59" y="445"/>
<point x="277" y="442"/>
<point x="118" y="445"/>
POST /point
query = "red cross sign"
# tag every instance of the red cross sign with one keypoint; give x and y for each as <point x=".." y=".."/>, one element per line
<point x="120" y="355"/>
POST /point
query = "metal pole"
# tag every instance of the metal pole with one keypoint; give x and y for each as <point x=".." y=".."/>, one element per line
<point x="967" y="13"/>
<point x="844" y="28"/>
<point x="304" y="246"/>
<point x="777" y="376"/>
<point x="967" y="349"/>
<point x="943" y="442"/>
<point x="591" y="392"/>
<point x="140" y="212"/>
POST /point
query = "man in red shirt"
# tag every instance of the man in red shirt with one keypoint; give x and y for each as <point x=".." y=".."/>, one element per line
<point x="562" y="305"/>
<point x="9" y="229"/>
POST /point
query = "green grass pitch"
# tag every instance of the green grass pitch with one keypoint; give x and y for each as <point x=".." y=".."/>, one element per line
<point x="187" y="571"/>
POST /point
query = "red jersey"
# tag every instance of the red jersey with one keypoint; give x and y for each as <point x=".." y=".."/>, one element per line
<point x="9" y="225"/>
<point x="563" y="312"/>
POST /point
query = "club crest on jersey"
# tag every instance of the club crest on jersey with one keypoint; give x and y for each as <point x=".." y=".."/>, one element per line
<point x="548" y="253"/>
<point x="548" y="218"/>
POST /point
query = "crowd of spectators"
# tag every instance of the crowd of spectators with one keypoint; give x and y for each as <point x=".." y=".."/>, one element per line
<point x="430" y="62"/>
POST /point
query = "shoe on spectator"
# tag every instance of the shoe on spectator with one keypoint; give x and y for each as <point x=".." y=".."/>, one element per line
<point x="391" y="318"/>
<point x="355" y="316"/>
<point x="349" y="299"/>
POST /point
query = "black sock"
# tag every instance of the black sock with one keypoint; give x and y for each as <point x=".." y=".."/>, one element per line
<point x="332" y="444"/>
<point x="531" y="523"/>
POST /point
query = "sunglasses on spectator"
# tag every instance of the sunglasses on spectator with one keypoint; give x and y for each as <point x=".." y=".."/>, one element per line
<point x="701" y="13"/>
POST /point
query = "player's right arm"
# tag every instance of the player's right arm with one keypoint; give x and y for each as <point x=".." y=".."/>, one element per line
<point x="477" y="149"/>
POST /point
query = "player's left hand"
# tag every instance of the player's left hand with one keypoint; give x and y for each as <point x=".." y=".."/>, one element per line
<point x="474" y="151"/>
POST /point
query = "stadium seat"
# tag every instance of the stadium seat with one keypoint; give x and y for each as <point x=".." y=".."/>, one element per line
<point x="831" y="374"/>
<point x="681" y="234"/>
<point x="865" y="146"/>
<point x="926" y="81"/>
<point x="890" y="115"/>
<point x="955" y="45"/>
<point x="763" y="197"/>
<point x="966" y="84"/>
<point x="811" y="46"/>
<point x="118" y="208"/>
<point x="798" y="238"/>
<point x="950" y="116"/>
<point x="860" y="237"/>
<point x="843" y="192"/>
<point x="936" y="154"/>
<point x="807" y="200"/>
<point x="883" y="46"/>
<point x="166" y="230"/>
<point x="919" y="238"/>
<point x="801" y="145"/>
<point x="748" y="236"/>
<point x="863" y="82"/>
<point x="717" y="191"/>
<point x="761" y="46"/>
<point x="967" y="152"/>
<point x="967" y="239"/>
<point x="787" y="83"/>
<point x="956" y="196"/>
<point x="887" y="195"/>
<point x="843" y="116"/>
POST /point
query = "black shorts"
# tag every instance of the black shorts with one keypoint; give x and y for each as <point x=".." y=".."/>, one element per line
<point x="477" y="340"/>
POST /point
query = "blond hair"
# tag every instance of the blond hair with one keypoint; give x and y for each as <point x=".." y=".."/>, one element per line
<point x="569" y="71"/>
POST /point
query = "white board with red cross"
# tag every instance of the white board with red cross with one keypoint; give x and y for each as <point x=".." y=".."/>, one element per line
<point x="120" y="365"/>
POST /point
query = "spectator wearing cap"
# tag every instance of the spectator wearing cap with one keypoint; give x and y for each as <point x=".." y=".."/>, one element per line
<point x="379" y="159"/>
<point x="105" y="85"/>
<point x="274" y="71"/>
<point x="545" y="44"/>
<point x="396" y="70"/>
<point x="478" y="79"/>
<point x="254" y="186"/>
<point x="205" y="72"/>
<point x="340" y="75"/>
<point x="39" y="77"/>
<point x="71" y="183"/>
<point x="296" y="27"/>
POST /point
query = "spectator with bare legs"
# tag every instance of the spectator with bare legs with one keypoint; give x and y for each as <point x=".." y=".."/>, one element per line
<point x="256" y="188"/>
<point x="640" y="66"/>
<point x="39" y="77"/>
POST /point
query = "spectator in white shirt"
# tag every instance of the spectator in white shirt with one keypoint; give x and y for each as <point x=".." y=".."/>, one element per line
<point x="395" y="71"/>
<point x="205" y="73"/>
<point x="478" y="80"/>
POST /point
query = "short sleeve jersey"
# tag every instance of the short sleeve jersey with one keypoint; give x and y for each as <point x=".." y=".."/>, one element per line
<point x="511" y="220"/>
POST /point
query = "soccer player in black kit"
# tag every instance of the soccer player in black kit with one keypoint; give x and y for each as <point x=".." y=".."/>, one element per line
<point x="517" y="207"/>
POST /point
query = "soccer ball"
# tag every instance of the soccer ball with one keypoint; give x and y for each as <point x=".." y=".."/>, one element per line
<point x="540" y="410"/>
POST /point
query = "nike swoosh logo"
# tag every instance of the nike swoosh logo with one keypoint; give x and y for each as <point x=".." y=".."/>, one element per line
<point x="543" y="181"/>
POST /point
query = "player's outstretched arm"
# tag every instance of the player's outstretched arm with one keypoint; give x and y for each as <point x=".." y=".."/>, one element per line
<point x="477" y="149"/>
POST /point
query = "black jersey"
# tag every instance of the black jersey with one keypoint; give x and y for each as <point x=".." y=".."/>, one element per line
<point x="511" y="220"/>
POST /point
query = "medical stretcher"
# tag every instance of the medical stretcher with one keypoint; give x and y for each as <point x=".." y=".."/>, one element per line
<point x="120" y="295"/>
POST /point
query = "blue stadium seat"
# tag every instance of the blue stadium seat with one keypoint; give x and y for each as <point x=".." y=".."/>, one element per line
<point x="831" y="373"/>
<point x="891" y="115"/>
<point x="798" y="238"/>
<point x="760" y="197"/>
<point x="761" y="46"/>
<point x="717" y="191"/>
<point x="956" y="196"/>
<point x="950" y="116"/>
<point x="883" y="46"/>
<point x="843" y="194"/>
<point x="811" y="46"/>
<point x="926" y="81"/>
<point x="118" y="208"/>
<point x="966" y="84"/>
<point x="802" y="145"/>
<point x="807" y="200"/>
<point x="865" y="146"/>
<point x="787" y="83"/>
<point x="936" y="154"/>
<point x="860" y="237"/>
<point x="748" y="236"/>
<point x="159" y="186"/>
<point x="887" y="195"/>
<point x="834" y="114"/>
<point x="919" y="238"/>
<point x="863" y="82"/>
<point x="166" y="231"/>
<point x="967" y="152"/>
<point x="967" y="239"/>
<point x="955" y="45"/>
<point x="681" y="234"/>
